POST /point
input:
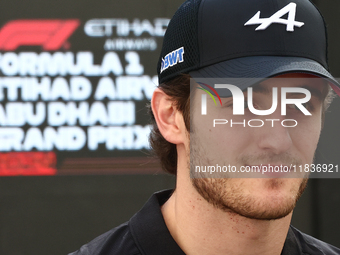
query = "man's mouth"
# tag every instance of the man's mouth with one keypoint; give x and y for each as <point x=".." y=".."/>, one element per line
<point x="271" y="170"/>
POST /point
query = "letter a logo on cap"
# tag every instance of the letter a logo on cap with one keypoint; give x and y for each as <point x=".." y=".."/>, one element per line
<point x="276" y="18"/>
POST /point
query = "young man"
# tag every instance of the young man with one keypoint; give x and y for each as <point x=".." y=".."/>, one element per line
<point x="278" y="49"/>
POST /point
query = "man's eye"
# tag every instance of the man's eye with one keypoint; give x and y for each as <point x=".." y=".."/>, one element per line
<point x="231" y="105"/>
<point x="245" y="104"/>
<point x="294" y="107"/>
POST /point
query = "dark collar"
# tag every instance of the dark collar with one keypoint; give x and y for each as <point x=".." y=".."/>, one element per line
<point x="149" y="230"/>
<point x="291" y="245"/>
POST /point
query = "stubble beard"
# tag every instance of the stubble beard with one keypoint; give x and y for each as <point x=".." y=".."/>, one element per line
<point x="230" y="198"/>
<point x="228" y="195"/>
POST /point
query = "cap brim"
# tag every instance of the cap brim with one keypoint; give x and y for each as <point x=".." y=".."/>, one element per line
<point x="248" y="71"/>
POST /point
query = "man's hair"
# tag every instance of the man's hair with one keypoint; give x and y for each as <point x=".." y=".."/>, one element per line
<point x="178" y="92"/>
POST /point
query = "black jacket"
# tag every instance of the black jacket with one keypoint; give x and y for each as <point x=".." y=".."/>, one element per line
<point x="146" y="234"/>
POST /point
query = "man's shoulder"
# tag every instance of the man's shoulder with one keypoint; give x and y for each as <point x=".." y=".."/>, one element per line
<point x="116" y="241"/>
<point x="144" y="233"/>
<point x="311" y="245"/>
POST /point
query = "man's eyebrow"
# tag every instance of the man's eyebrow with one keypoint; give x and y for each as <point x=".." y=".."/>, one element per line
<point x="260" y="88"/>
<point x="320" y="94"/>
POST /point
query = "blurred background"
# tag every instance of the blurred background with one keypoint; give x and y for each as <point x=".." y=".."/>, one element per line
<point x="74" y="160"/>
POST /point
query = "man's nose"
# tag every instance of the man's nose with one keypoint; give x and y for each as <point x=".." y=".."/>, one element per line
<point x="273" y="136"/>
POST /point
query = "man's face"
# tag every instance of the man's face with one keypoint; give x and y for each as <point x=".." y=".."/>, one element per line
<point x="259" y="198"/>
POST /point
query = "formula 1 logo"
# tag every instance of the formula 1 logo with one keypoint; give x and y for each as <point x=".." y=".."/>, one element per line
<point x="276" y="18"/>
<point x="49" y="34"/>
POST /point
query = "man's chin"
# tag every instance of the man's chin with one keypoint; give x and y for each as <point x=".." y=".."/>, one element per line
<point x="225" y="196"/>
<point x="265" y="210"/>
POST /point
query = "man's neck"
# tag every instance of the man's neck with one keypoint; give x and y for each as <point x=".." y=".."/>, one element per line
<point x="199" y="228"/>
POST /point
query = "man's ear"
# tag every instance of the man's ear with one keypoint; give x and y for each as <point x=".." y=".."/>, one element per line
<point x="169" y="120"/>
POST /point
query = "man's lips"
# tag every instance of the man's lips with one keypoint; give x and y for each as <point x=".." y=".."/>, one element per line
<point x="272" y="170"/>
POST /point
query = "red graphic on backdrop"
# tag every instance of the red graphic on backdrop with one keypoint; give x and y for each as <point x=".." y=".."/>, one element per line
<point x="49" y="34"/>
<point x="28" y="163"/>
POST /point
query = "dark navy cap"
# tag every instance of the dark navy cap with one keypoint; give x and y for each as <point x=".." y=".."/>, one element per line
<point x="245" y="39"/>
